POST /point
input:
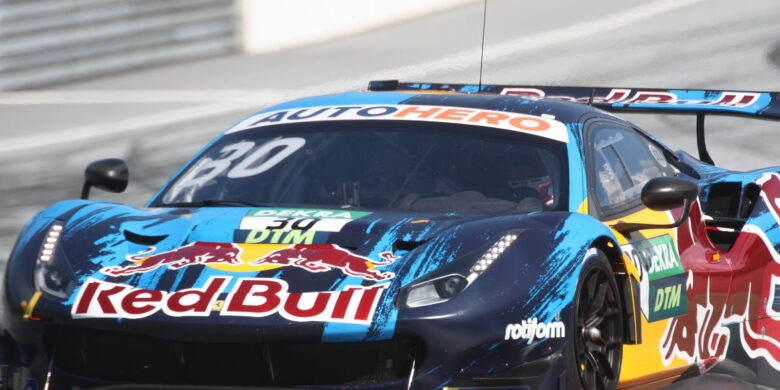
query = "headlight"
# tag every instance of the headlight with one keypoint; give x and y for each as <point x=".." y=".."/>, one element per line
<point x="52" y="273"/>
<point x="435" y="291"/>
<point x="442" y="288"/>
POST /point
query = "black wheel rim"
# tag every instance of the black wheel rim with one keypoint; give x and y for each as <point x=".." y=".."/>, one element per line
<point x="598" y="332"/>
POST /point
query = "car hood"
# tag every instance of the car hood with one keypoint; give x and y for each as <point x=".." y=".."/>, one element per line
<point x="334" y="272"/>
<point x="108" y="235"/>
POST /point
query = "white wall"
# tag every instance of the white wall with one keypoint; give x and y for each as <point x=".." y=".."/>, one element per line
<point x="270" y="25"/>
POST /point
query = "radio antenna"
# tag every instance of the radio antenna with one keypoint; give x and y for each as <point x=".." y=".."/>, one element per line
<point x="482" y="49"/>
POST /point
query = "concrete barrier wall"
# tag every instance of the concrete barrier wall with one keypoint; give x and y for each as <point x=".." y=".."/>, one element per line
<point x="270" y="25"/>
<point x="46" y="42"/>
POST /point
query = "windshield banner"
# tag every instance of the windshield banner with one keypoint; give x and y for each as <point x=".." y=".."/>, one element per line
<point x="542" y="126"/>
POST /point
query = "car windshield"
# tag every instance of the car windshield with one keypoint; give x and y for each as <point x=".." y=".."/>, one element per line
<point x="378" y="165"/>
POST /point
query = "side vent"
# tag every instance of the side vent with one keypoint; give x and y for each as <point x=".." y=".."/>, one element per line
<point x="143" y="239"/>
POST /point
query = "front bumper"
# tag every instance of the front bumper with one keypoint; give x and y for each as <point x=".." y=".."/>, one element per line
<point x="77" y="357"/>
<point x="89" y="358"/>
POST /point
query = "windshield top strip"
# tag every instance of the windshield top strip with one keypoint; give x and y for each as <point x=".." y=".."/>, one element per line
<point x="530" y="124"/>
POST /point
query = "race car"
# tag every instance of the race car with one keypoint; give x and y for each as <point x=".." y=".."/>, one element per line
<point x="413" y="236"/>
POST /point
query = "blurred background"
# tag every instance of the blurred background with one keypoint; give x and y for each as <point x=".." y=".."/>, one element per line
<point x="151" y="81"/>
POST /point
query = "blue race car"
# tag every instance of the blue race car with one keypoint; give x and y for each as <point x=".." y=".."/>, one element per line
<point x="413" y="236"/>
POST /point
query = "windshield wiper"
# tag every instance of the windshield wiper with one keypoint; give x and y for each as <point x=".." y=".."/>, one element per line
<point x="213" y="203"/>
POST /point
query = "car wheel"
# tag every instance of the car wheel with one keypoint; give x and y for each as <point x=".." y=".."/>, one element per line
<point x="595" y="347"/>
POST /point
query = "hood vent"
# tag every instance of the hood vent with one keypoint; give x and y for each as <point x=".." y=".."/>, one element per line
<point x="401" y="245"/>
<point x="143" y="239"/>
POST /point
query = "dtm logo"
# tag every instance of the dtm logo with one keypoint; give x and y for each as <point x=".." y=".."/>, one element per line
<point x="320" y="258"/>
<point x="534" y="330"/>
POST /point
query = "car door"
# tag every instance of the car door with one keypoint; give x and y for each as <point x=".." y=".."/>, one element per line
<point x="620" y="162"/>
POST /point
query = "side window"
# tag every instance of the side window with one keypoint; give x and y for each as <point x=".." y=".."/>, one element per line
<point x="621" y="163"/>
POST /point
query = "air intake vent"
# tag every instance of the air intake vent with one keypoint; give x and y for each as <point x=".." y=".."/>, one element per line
<point x="401" y="245"/>
<point x="143" y="239"/>
<point x="104" y="357"/>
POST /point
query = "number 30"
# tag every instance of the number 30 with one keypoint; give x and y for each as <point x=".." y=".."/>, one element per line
<point x="255" y="163"/>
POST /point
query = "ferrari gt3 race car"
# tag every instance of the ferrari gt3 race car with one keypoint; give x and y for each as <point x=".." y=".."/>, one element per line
<point x="414" y="236"/>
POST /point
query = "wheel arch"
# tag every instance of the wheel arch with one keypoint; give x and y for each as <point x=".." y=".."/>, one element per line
<point x="629" y="287"/>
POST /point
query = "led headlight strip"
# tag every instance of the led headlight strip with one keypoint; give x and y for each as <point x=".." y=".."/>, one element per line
<point x="492" y="254"/>
<point x="50" y="243"/>
<point x="52" y="275"/>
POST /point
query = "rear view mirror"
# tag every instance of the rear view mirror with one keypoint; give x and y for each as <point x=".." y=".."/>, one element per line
<point x="109" y="175"/>
<point x="663" y="194"/>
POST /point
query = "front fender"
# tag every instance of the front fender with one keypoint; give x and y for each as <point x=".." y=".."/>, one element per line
<point x="534" y="280"/>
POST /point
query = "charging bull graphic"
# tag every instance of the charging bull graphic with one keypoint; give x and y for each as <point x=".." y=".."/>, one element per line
<point x="313" y="258"/>
<point x="194" y="253"/>
<point x="326" y="257"/>
<point x="750" y="272"/>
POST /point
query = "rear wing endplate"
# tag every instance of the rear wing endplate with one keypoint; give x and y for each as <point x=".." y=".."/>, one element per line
<point x="763" y="105"/>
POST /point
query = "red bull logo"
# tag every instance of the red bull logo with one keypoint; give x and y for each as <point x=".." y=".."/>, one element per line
<point x="249" y="297"/>
<point x="734" y="297"/>
<point x="248" y="258"/>
<point x="195" y="253"/>
<point x="770" y="192"/>
<point x="326" y="257"/>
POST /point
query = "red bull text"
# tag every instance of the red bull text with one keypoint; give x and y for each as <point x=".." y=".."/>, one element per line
<point x="250" y="297"/>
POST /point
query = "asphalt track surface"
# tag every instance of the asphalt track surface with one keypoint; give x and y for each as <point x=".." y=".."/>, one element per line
<point x="156" y="119"/>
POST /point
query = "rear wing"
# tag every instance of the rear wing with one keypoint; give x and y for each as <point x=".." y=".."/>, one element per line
<point x="761" y="105"/>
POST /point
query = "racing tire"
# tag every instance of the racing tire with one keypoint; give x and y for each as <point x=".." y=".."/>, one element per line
<point x="595" y="347"/>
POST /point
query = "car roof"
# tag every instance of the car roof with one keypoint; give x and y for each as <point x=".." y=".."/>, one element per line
<point x="511" y="103"/>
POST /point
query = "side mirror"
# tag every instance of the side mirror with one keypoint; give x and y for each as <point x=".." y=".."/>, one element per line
<point x="662" y="194"/>
<point x="109" y="175"/>
<point x="666" y="193"/>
